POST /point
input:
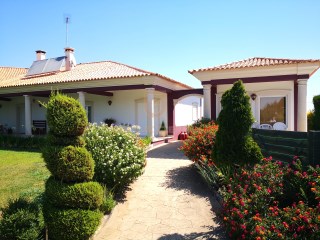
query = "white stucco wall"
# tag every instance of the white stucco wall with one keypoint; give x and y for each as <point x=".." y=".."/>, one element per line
<point x="184" y="114"/>
<point x="128" y="107"/>
<point x="270" y="89"/>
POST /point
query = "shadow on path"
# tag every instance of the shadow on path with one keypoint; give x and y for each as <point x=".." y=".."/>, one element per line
<point x="187" y="179"/>
<point x="169" y="151"/>
<point x="212" y="234"/>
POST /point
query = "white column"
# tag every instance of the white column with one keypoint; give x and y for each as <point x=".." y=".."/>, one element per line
<point x="150" y="112"/>
<point x="27" y="115"/>
<point x="302" y="105"/>
<point x="82" y="98"/>
<point x="207" y="101"/>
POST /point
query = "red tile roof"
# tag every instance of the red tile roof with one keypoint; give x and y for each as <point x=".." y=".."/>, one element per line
<point x="255" y="62"/>
<point x="11" y="72"/>
<point x="84" y="72"/>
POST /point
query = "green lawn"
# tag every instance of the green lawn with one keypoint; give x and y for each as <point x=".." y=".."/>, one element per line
<point x="20" y="172"/>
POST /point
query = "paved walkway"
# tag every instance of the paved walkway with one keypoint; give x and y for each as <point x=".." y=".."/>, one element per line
<point x="169" y="201"/>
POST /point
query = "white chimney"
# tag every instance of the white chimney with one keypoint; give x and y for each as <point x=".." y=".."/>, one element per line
<point x="70" y="59"/>
<point x="40" y="55"/>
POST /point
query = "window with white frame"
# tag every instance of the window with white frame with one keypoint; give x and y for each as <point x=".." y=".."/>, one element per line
<point x="273" y="109"/>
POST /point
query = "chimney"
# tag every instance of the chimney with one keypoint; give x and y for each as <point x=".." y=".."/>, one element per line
<point x="70" y="60"/>
<point x="40" y="55"/>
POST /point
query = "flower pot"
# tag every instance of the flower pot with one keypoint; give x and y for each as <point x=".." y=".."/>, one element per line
<point x="162" y="133"/>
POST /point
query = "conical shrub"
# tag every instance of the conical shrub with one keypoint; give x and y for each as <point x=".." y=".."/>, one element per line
<point x="234" y="143"/>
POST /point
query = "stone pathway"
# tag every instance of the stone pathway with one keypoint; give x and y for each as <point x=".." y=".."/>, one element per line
<point x="169" y="201"/>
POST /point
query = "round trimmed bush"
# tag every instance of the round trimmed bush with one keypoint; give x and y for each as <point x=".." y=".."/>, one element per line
<point x="50" y="154"/>
<point x="87" y="195"/>
<point x="71" y="224"/>
<point x="77" y="141"/>
<point x="74" y="164"/>
<point x="66" y="116"/>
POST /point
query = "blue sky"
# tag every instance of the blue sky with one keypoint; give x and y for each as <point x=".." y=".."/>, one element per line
<point x="169" y="37"/>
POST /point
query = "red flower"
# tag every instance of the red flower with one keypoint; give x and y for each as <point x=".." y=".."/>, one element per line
<point x="285" y="224"/>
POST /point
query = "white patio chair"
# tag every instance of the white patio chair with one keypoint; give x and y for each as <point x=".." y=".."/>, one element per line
<point x="255" y="125"/>
<point x="279" y="126"/>
<point x="265" y="126"/>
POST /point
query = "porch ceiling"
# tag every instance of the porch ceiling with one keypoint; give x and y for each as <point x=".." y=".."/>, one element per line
<point x="104" y="91"/>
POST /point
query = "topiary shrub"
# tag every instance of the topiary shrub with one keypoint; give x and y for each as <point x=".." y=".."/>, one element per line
<point x="316" y="116"/>
<point x="68" y="194"/>
<point x="71" y="224"/>
<point x="74" y="164"/>
<point x="69" y="163"/>
<point x="77" y="141"/>
<point x="87" y="195"/>
<point x="119" y="155"/>
<point x="234" y="143"/>
<point x="66" y="116"/>
<point x="21" y="219"/>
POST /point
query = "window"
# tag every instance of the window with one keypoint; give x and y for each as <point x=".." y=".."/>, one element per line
<point x="89" y="113"/>
<point x="272" y="109"/>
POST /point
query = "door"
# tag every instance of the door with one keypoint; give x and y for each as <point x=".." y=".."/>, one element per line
<point x="141" y="116"/>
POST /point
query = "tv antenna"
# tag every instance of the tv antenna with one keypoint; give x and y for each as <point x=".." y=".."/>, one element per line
<point x="67" y="21"/>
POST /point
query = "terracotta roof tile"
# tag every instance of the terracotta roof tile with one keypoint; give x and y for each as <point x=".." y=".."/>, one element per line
<point x="11" y="72"/>
<point x="83" y="72"/>
<point x="255" y="62"/>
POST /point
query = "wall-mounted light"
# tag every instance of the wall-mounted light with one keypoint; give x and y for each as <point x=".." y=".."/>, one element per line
<point x="253" y="96"/>
<point x="109" y="102"/>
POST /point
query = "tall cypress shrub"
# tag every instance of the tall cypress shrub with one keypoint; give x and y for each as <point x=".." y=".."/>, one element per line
<point x="71" y="198"/>
<point x="234" y="143"/>
<point x="316" y="114"/>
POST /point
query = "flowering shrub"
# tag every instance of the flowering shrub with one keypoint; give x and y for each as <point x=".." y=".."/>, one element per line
<point x="119" y="154"/>
<point x="257" y="206"/>
<point x="199" y="144"/>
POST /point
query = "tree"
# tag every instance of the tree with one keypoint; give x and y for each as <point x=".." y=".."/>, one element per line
<point x="234" y="143"/>
<point x="316" y="114"/>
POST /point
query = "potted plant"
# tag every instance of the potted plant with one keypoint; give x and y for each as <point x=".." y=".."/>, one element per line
<point x="109" y="121"/>
<point x="163" y="130"/>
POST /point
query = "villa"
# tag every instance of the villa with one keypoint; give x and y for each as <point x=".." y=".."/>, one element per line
<point x="277" y="87"/>
<point x="105" y="89"/>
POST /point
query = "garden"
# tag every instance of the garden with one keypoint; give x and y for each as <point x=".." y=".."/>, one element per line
<point x="63" y="184"/>
<point x="261" y="198"/>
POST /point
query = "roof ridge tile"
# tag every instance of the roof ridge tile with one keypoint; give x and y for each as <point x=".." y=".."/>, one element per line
<point x="254" y="62"/>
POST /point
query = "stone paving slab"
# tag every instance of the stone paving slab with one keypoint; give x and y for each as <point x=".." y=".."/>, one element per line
<point x="169" y="201"/>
